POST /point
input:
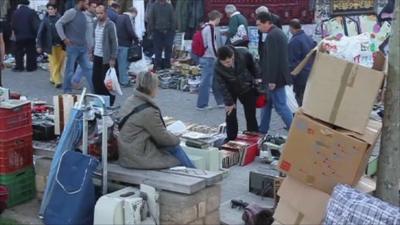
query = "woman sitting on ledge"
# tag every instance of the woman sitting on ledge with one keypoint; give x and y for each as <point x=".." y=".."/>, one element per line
<point x="144" y="142"/>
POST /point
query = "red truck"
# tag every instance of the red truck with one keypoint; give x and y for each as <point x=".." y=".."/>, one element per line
<point x="285" y="9"/>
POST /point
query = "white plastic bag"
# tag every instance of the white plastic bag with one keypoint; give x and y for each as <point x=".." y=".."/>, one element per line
<point x="140" y="66"/>
<point x="291" y="99"/>
<point x="111" y="82"/>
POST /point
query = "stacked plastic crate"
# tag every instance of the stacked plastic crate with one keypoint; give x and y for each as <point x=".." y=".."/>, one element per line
<point x="16" y="153"/>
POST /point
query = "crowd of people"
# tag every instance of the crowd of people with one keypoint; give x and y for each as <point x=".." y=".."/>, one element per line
<point x="92" y="38"/>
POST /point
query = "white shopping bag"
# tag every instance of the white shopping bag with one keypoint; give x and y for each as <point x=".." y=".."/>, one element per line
<point x="111" y="82"/>
<point x="291" y="99"/>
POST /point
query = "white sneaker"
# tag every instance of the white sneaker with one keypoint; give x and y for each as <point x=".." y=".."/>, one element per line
<point x="204" y="108"/>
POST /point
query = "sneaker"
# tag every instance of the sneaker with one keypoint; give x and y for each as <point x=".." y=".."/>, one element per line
<point x="222" y="106"/>
<point x="203" y="108"/>
<point x="58" y="86"/>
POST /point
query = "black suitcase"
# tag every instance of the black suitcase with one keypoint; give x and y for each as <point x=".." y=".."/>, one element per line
<point x="43" y="131"/>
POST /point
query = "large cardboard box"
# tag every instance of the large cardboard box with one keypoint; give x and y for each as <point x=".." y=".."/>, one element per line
<point x="301" y="204"/>
<point x="322" y="156"/>
<point x="340" y="92"/>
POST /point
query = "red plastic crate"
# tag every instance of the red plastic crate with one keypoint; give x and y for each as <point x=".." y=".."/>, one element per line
<point x="16" y="117"/>
<point x="16" y="154"/>
<point x="8" y="135"/>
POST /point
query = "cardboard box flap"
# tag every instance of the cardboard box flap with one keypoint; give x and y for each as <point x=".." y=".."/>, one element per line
<point x="303" y="63"/>
<point x="370" y="135"/>
<point x="306" y="199"/>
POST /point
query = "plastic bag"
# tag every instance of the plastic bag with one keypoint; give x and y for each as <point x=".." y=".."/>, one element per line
<point x="111" y="82"/>
<point x="140" y="66"/>
<point x="291" y="99"/>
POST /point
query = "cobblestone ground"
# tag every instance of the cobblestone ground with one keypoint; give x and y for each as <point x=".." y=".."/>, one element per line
<point x="177" y="104"/>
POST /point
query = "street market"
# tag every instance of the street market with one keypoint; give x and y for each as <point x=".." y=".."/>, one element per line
<point x="199" y="112"/>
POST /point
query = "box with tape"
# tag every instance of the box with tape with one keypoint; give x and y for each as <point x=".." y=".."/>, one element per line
<point x="301" y="204"/>
<point x="340" y="92"/>
<point x="322" y="156"/>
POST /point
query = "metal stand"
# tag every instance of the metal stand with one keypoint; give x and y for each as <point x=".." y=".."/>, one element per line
<point x="104" y="146"/>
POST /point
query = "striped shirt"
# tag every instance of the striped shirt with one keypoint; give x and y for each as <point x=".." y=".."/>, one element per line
<point x="98" y="38"/>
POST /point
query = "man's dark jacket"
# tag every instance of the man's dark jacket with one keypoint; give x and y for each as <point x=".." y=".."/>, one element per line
<point x="274" y="59"/>
<point x="299" y="46"/>
<point x="240" y="79"/>
<point x="25" y="23"/>
<point x="47" y="36"/>
<point x="125" y="32"/>
<point x="112" y="14"/>
<point x="276" y="20"/>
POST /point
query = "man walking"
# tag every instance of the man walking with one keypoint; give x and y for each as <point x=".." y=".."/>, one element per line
<point x="126" y="37"/>
<point x="49" y="42"/>
<point x="162" y="26"/>
<point x="72" y="30"/>
<point x="237" y="33"/>
<point x="207" y="62"/>
<point x="105" y="51"/>
<point x="275" y="70"/>
<point x="90" y="14"/>
<point x="24" y="24"/>
<point x="299" y="46"/>
<point x="236" y="73"/>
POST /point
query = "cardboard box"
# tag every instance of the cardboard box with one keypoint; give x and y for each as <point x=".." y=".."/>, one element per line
<point x="340" y="92"/>
<point x="301" y="204"/>
<point x="322" y="156"/>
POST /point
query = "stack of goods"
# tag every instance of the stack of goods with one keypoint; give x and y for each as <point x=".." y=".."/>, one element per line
<point x="43" y="122"/>
<point x="245" y="148"/>
<point x="265" y="181"/>
<point x="246" y="151"/>
<point x="16" y="153"/>
<point x="181" y="77"/>
<point x="271" y="148"/>
<point x="330" y="140"/>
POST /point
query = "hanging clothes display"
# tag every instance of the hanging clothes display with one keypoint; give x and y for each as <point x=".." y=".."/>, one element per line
<point x="189" y="14"/>
<point x="140" y="28"/>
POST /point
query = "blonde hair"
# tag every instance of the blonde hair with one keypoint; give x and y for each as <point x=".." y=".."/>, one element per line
<point x="146" y="82"/>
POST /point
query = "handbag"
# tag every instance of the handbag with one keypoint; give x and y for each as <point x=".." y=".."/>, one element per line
<point x="135" y="53"/>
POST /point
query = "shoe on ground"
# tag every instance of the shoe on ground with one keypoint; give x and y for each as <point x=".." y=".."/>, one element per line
<point x="17" y="70"/>
<point x="58" y="86"/>
<point x="204" y="108"/>
<point x="222" y="106"/>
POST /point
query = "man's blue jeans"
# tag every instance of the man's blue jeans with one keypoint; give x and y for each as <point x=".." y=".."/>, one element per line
<point x="75" y="54"/>
<point x="178" y="152"/>
<point x="275" y="99"/>
<point x="79" y="74"/>
<point x="207" y="82"/>
<point x="123" y="65"/>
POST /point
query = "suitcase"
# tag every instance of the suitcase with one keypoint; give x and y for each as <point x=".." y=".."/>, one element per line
<point x="115" y="208"/>
<point x="43" y="131"/>
<point x="263" y="182"/>
<point x="73" y="199"/>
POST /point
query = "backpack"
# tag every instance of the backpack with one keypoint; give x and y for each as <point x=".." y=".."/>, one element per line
<point x="198" y="47"/>
<point x="256" y="215"/>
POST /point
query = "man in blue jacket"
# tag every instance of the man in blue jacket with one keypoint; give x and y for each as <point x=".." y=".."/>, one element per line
<point x="25" y="24"/>
<point x="299" y="46"/>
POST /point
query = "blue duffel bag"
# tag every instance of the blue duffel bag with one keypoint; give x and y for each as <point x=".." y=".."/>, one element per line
<point x="73" y="199"/>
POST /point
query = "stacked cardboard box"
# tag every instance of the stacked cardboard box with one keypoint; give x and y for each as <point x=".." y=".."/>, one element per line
<point x="331" y="138"/>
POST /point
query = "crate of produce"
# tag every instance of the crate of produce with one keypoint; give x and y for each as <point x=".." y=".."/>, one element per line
<point x="15" y="114"/>
<point x="16" y="154"/>
<point x="21" y="186"/>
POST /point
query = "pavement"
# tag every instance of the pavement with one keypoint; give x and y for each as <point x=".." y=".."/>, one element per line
<point x="173" y="103"/>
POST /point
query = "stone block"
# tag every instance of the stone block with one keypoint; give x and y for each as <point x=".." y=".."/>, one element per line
<point x="42" y="166"/>
<point x="198" y="222"/>
<point x="40" y="183"/>
<point x="182" y="200"/>
<point x="172" y="215"/>
<point x="213" y="203"/>
<point x="212" y="218"/>
<point x="201" y="209"/>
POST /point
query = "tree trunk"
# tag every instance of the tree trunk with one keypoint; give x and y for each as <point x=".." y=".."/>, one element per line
<point x="389" y="158"/>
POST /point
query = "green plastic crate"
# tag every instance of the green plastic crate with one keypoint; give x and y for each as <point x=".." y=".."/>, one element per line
<point x="20" y="185"/>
